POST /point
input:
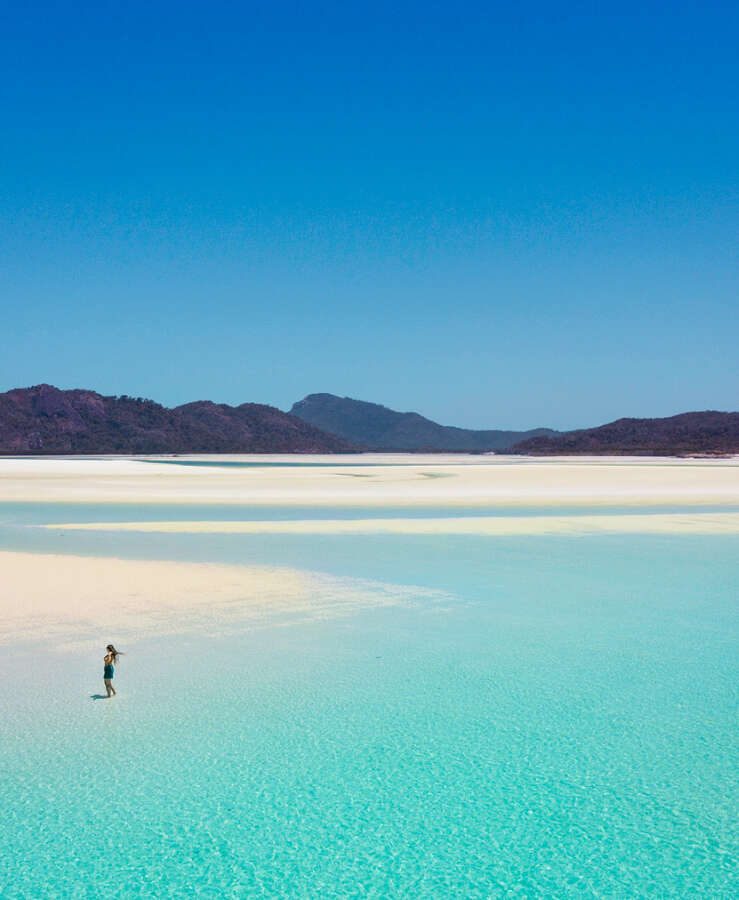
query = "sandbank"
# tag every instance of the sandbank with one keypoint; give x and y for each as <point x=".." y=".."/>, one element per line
<point x="73" y="600"/>
<point x="654" y="523"/>
<point x="376" y="480"/>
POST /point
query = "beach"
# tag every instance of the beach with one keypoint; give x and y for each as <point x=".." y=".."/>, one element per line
<point x="373" y="480"/>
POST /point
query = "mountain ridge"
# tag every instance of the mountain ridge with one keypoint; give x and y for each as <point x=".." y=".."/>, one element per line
<point x="381" y="428"/>
<point x="45" y="419"/>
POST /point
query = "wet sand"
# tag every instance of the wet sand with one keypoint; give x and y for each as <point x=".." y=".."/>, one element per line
<point x="648" y="523"/>
<point x="73" y="600"/>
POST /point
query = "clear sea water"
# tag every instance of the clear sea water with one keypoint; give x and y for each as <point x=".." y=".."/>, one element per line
<point x="565" y="725"/>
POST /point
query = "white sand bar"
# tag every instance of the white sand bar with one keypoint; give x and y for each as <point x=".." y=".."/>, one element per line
<point x="658" y="523"/>
<point x="73" y="600"/>
<point x="377" y="480"/>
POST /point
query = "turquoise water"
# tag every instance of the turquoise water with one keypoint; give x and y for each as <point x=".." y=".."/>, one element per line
<point x="563" y="726"/>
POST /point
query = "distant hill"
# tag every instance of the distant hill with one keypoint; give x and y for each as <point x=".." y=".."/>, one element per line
<point x="44" y="419"/>
<point x="379" y="428"/>
<point x="688" y="433"/>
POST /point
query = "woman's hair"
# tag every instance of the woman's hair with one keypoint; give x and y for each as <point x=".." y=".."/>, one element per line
<point x="113" y="652"/>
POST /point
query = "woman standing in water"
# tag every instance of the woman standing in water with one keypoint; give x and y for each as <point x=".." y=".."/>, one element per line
<point x="110" y="659"/>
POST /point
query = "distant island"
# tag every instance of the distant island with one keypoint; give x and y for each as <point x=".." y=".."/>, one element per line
<point x="46" y="420"/>
<point x="379" y="428"/>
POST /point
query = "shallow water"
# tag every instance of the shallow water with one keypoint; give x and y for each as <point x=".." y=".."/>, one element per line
<point x="564" y="725"/>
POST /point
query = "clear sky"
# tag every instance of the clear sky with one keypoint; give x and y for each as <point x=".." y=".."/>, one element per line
<point x="498" y="215"/>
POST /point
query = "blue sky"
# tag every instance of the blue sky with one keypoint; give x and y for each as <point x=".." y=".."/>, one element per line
<point x="497" y="215"/>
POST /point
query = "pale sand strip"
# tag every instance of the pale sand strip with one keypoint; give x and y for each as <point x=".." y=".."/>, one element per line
<point x="431" y="481"/>
<point x="655" y="523"/>
<point x="79" y="601"/>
